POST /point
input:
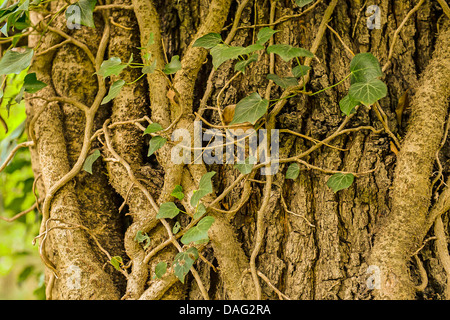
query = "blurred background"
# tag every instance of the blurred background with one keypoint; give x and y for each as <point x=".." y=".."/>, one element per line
<point x="21" y="270"/>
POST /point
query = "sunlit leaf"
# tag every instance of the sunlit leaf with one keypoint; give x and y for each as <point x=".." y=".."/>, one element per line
<point x="87" y="166"/>
<point x="250" y="109"/>
<point x="339" y="181"/>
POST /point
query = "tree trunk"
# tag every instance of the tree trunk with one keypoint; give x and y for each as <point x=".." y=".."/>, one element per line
<point x="297" y="236"/>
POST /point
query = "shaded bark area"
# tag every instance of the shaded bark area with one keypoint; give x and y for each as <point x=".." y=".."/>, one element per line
<point x="325" y="260"/>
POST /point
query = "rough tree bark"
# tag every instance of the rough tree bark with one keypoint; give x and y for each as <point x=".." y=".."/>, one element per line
<point x="316" y="244"/>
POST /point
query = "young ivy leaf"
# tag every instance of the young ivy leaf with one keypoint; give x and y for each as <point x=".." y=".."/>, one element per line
<point x="160" y="269"/>
<point x="241" y="65"/>
<point x="204" y="187"/>
<point x="264" y="35"/>
<point x="339" y="181"/>
<point x="293" y="171"/>
<point x="368" y="92"/>
<point x="153" y="127"/>
<point x="86" y="11"/>
<point x="364" y="67"/>
<point x="87" y="166"/>
<point x="173" y="66"/>
<point x="208" y="41"/>
<point x="155" y="143"/>
<point x="31" y="84"/>
<point x="300" y="71"/>
<point x="176" y="227"/>
<point x="201" y="210"/>
<point x="142" y="238"/>
<point x="149" y="69"/>
<point x="112" y="66"/>
<point x="250" y="109"/>
<point x="348" y="104"/>
<point x="247" y="166"/>
<point x="199" y="232"/>
<point x="302" y="3"/>
<point x="16" y="61"/>
<point x="183" y="262"/>
<point x="178" y="192"/>
<point x="116" y="261"/>
<point x="283" y="82"/>
<point x="168" y="210"/>
<point x="287" y="52"/>
<point x="222" y="53"/>
<point x="114" y="91"/>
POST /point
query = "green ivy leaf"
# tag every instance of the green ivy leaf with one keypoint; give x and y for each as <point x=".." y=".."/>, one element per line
<point x="116" y="261"/>
<point x="178" y="192"/>
<point x="87" y="166"/>
<point x="176" y="227"/>
<point x="348" y="104"/>
<point x="364" y="68"/>
<point x="160" y="269"/>
<point x="241" y="65"/>
<point x="250" y="109"/>
<point x="142" y="238"/>
<point x="155" y="144"/>
<point x="293" y="171"/>
<point x="173" y="66"/>
<point x="208" y="41"/>
<point x="16" y="61"/>
<point x="112" y="66"/>
<point x="183" y="262"/>
<point x="285" y="82"/>
<point x="222" y="53"/>
<point x="168" y="210"/>
<point x="287" y="52"/>
<point x="339" y="181"/>
<point x="114" y="91"/>
<point x="264" y="35"/>
<point x="302" y="3"/>
<point x="247" y="166"/>
<point x="86" y="8"/>
<point x="153" y="127"/>
<point x="368" y="92"/>
<point x="204" y="187"/>
<point x="199" y="232"/>
<point x="300" y="71"/>
<point x="149" y="69"/>
<point x="201" y="210"/>
<point x="31" y="84"/>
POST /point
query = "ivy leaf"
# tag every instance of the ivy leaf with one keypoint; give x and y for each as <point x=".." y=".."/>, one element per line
<point x="287" y="52"/>
<point x="183" y="262"/>
<point x="176" y="227"/>
<point x="222" y="53"/>
<point x="364" y="67"/>
<point x="241" y="65"/>
<point x="149" y="69"/>
<point x="201" y="210"/>
<point x="250" y="109"/>
<point x="208" y="41"/>
<point x="348" y="104"/>
<point x="114" y="91"/>
<point x="31" y="84"/>
<point x="339" y="181"/>
<point x="155" y="144"/>
<point x="112" y="66"/>
<point x="167" y="210"/>
<point x="173" y="66"/>
<point x="283" y="82"/>
<point x="153" y="127"/>
<point x="204" y="187"/>
<point x="86" y="9"/>
<point x="178" y="192"/>
<point x="264" y="35"/>
<point x="116" y="261"/>
<point x="87" y="166"/>
<point x="247" y="166"/>
<point x="368" y="92"/>
<point x="142" y="238"/>
<point x="199" y="232"/>
<point x="302" y="3"/>
<point x="300" y="71"/>
<point x="160" y="269"/>
<point x="293" y="171"/>
<point x="16" y="61"/>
